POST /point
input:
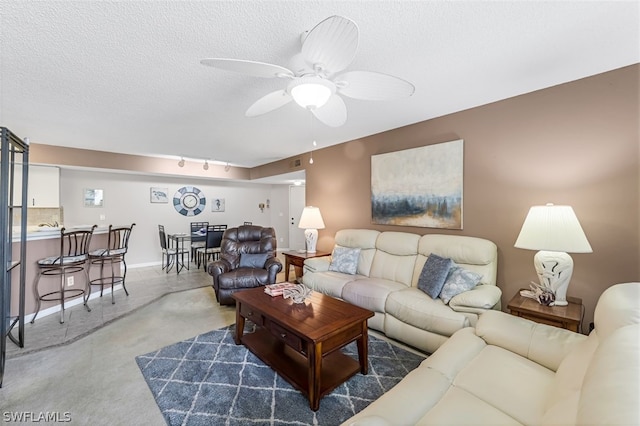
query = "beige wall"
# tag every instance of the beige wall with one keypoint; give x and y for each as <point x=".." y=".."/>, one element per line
<point x="574" y="144"/>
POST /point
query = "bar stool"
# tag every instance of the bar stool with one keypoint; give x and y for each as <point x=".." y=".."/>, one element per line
<point x="72" y="258"/>
<point x="113" y="254"/>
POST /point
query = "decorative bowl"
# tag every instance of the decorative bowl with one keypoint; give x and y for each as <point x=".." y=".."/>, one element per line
<point x="298" y="294"/>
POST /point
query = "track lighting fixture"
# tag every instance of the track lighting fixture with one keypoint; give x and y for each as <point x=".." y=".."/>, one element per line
<point x="181" y="162"/>
<point x="227" y="167"/>
<point x="206" y="165"/>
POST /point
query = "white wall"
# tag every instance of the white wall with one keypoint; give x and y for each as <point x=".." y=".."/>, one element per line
<point x="127" y="200"/>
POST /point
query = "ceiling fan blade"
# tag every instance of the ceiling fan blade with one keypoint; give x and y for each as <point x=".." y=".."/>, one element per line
<point x="332" y="44"/>
<point x="333" y="113"/>
<point x="373" y="86"/>
<point x="253" y="68"/>
<point x="268" y="103"/>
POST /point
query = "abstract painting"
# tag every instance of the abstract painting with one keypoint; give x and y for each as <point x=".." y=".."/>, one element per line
<point x="419" y="186"/>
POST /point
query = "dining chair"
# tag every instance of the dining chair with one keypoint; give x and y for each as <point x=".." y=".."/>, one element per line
<point x="169" y="253"/>
<point x="71" y="258"/>
<point x="211" y="250"/>
<point x="198" y="236"/>
<point x="112" y="255"/>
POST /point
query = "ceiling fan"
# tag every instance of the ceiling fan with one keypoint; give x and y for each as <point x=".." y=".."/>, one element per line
<point x="326" y="50"/>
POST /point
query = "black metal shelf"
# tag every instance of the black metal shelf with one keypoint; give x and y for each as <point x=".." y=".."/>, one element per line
<point x="13" y="151"/>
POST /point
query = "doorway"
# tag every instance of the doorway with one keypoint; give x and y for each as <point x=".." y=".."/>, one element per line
<point x="296" y="205"/>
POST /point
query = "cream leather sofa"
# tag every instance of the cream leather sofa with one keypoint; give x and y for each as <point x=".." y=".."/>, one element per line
<point x="388" y="270"/>
<point x="512" y="371"/>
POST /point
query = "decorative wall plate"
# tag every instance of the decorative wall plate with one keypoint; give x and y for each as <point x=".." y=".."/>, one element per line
<point x="189" y="201"/>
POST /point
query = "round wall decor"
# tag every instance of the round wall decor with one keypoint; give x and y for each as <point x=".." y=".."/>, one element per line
<point x="189" y="201"/>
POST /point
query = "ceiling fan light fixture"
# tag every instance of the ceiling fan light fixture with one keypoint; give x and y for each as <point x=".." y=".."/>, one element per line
<point x="311" y="92"/>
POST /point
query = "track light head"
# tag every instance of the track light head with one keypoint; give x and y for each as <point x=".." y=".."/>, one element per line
<point x="206" y="165"/>
<point x="181" y="162"/>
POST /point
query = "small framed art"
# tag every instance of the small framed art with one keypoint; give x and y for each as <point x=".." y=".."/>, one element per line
<point x="159" y="195"/>
<point x="93" y="198"/>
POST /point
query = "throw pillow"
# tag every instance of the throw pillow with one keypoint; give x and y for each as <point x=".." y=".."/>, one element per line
<point x="345" y="260"/>
<point x="458" y="281"/>
<point x="434" y="274"/>
<point x="248" y="260"/>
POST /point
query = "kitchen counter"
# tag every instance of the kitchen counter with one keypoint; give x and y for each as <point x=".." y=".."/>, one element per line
<point x="45" y="232"/>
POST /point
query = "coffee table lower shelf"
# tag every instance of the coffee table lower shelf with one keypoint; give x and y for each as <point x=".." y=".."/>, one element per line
<point x="294" y="367"/>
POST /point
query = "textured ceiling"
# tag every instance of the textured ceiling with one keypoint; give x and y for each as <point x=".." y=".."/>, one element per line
<point x="126" y="76"/>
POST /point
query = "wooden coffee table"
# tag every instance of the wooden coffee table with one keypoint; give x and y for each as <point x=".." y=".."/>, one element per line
<point x="302" y="342"/>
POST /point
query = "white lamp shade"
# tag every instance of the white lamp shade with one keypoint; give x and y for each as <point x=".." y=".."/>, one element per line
<point x="311" y="92"/>
<point x="311" y="218"/>
<point x="553" y="228"/>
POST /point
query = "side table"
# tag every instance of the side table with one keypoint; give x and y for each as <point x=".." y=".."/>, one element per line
<point x="297" y="259"/>
<point x="568" y="317"/>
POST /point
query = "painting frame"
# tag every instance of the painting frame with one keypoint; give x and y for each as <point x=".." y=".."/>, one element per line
<point x="420" y="187"/>
<point x="158" y="195"/>
<point x="93" y="197"/>
<point x="217" y="204"/>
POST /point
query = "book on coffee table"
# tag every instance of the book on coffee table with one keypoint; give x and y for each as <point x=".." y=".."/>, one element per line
<point x="278" y="288"/>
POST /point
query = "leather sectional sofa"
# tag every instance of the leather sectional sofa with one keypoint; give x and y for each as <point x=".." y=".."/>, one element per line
<point x="512" y="371"/>
<point x="386" y="277"/>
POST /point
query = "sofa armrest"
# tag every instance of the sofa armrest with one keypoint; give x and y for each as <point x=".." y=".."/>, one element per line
<point x="477" y="300"/>
<point x="218" y="267"/>
<point x="317" y="264"/>
<point x="541" y="343"/>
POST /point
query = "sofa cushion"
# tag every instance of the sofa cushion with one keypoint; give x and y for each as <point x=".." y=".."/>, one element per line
<point x="365" y="240"/>
<point x="458" y="281"/>
<point x="504" y="380"/>
<point x="414" y="307"/>
<point x="434" y="274"/>
<point x="468" y="409"/>
<point x="345" y="260"/>
<point x="370" y="293"/>
<point x="475" y="254"/>
<point x="329" y="282"/>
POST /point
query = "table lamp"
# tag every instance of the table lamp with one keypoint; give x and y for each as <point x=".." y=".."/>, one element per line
<point x="311" y="221"/>
<point x="554" y="231"/>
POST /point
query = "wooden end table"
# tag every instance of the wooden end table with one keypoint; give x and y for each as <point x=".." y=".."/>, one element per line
<point x="297" y="259"/>
<point x="302" y="342"/>
<point x="568" y="317"/>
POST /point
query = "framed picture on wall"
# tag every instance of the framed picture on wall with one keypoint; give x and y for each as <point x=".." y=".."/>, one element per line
<point x="217" y="204"/>
<point x="159" y="195"/>
<point x="93" y="198"/>
<point x="419" y="186"/>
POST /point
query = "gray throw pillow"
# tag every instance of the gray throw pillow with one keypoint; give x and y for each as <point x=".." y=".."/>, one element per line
<point x="248" y="260"/>
<point x="458" y="281"/>
<point x="434" y="274"/>
<point x="345" y="260"/>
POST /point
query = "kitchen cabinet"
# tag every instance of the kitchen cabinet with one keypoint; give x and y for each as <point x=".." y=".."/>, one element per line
<point x="44" y="186"/>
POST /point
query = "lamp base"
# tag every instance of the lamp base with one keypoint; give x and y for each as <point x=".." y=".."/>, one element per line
<point x="554" y="269"/>
<point x="311" y="238"/>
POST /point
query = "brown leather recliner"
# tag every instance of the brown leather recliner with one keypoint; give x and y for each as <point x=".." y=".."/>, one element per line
<point x="247" y="260"/>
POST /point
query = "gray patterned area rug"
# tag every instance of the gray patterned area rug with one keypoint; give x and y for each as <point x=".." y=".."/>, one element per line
<point x="209" y="380"/>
